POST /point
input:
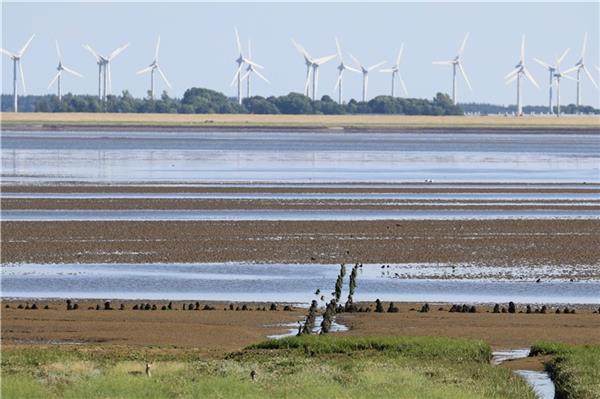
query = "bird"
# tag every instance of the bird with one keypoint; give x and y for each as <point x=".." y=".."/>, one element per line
<point x="148" y="370"/>
<point x="318" y="291"/>
<point x="253" y="375"/>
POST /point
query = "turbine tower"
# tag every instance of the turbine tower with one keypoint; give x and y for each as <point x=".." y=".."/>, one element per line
<point x="519" y="71"/>
<point x="60" y="68"/>
<point x="250" y="70"/>
<point x="104" y="76"/>
<point x="395" y="71"/>
<point x="341" y="68"/>
<point x="241" y="60"/>
<point x="365" y="72"/>
<point x="16" y="58"/>
<point x="154" y="67"/>
<point x="456" y="62"/>
<point x="580" y="66"/>
<point x="554" y="73"/>
<point x="312" y="67"/>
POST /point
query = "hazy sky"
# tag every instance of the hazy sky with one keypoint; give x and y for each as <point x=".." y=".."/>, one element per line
<point x="198" y="44"/>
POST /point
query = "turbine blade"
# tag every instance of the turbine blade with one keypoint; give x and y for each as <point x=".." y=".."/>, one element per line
<point x="58" y="53"/>
<point x="510" y="74"/>
<point x="72" y="72"/>
<point x="53" y="80"/>
<point x="7" y="52"/>
<point x="351" y="68"/>
<point x="253" y="63"/>
<point x="464" y="74"/>
<point x="246" y="75"/>
<point x="323" y="60"/>
<point x="402" y="83"/>
<point x="387" y="70"/>
<point x="443" y="62"/>
<point x="302" y="51"/>
<point x="583" y="47"/>
<point x="562" y="57"/>
<point x="249" y="49"/>
<point x="587" y="72"/>
<point x="141" y="71"/>
<point x="117" y="52"/>
<point x="571" y="69"/>
<point x="356" y="61"/>
<point x="531" y="79"/>
<point x="568" y="77"/>
<point x="260" y="75"/>
<point x="22" y="51"/>
<point x="307" y="83"/>
<point x="237" y="40"/>
<point x="399" y="55"/>
<point x="91" y="50"/>
<point x="338" y="80"/>
<point x="339" y="50"/>
<point x="464" y="43"/>
<point x="162" y="75"/>
<point x="237" y="72"/>
<point x="542" y="63"/>
<point x="156" y="51"/>
<point x="509" y="81"/>
<point x="376" y="66"/>
<point x="22" y="78"/>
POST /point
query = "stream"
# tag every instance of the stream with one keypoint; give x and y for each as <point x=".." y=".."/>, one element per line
<point x="540" y="381"/>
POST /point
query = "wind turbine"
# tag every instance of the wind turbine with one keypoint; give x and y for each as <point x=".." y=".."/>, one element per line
<point x="312" y="66"/>
<point x="60" y="68"/>
<point x="104" y="76"/>
<point x="341" y="68"/>
<point x="250" y="70"/>
<point x="154" y="67"/>
<point x="456" y="62"/>
<point x="580" y="66"/>
<point x="395" y="71"/>
<point x="16" y="58"/>
<point x="517" y="73"/>
<point x="240" y="61"/>
<point x="555" y="73"/>
<point x="365" y="71"/>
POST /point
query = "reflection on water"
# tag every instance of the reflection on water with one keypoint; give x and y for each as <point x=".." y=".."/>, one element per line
<point x="540" y="381"/>
<point x="298" y="157"/>
<point x="272" y="282"/>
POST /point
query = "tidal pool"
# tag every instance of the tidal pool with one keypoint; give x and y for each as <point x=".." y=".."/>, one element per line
<point x="294" y="283"/>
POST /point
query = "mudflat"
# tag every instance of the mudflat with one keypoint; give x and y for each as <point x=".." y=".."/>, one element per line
<point x="214" y="332"/>
<point x="498" y="242"/>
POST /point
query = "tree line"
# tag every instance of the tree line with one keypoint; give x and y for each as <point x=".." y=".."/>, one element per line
<point x="491" y="109"/>
<point x="203" y="101"/>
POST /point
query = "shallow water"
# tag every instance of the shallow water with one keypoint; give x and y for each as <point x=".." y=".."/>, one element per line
<point x="293" y="328"/>
<point x="575" y="198"/>
<point x="294" y="283"/>
<point x="540" y="381"/>
<point x="298" y="157"/>
<point x="295" y="214"/>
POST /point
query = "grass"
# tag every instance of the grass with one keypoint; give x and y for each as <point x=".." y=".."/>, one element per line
<point x="332" y="367"/>
<point x="300" y="121"/>
<point x="575" y="369"/>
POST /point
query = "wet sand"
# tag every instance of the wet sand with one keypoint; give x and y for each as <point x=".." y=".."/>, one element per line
<point x="498" y="242"/>
<point x="219" y="331"/>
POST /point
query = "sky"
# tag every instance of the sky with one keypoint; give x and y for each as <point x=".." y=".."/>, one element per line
<point x="198" y="44"/>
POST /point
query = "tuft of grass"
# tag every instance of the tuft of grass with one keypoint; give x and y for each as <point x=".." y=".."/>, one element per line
<point x="454" y="349"/>
<point x="575" y="369"/>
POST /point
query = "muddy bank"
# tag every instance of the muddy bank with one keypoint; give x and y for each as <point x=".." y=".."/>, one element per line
<point x="498" y="242"/>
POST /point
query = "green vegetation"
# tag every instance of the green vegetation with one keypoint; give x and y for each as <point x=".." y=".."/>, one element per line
<point x="575" y="369"/>
<point x="298" y="367"/>
<point x="491" y="109"/>
<point x="204" y="101"/>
